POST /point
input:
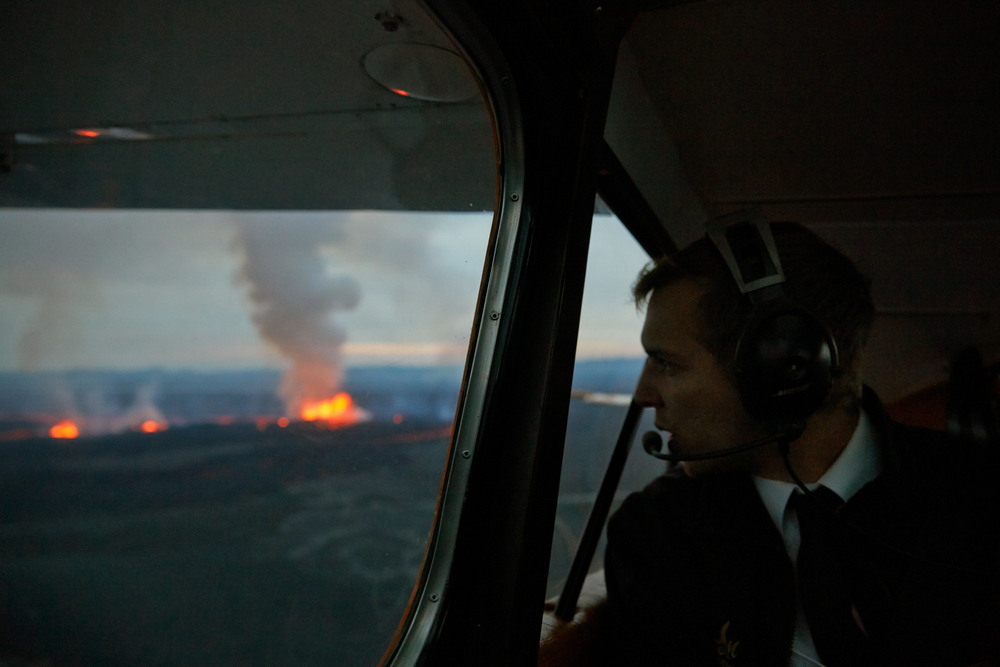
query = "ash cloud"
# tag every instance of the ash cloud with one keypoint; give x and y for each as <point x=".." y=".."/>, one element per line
<point x="295" y="299"/>
<point x="62" y="298"/>
<point x="43" y="265"/>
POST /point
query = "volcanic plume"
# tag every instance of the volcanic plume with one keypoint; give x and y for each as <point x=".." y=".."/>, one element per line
<point x="294" y="300"/>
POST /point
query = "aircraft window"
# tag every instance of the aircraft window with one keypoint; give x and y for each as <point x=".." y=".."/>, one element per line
<point x="238" y="274"/>
<point x="609" y="358"/>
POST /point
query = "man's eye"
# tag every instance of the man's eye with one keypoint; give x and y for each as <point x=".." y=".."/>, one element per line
<point x="662" y="365"/>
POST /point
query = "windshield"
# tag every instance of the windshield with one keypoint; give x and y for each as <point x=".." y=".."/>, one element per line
<point x="239" y="260"/>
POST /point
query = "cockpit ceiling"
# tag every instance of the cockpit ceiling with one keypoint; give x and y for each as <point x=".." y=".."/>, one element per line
<point x="830" y="110"/>
<point x="214" y="105"/>
<point x="822" y="110"/>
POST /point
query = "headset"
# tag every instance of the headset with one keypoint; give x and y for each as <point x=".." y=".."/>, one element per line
<point x="786" y="357"/>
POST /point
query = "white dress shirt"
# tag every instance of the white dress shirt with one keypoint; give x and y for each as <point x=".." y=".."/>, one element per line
<point x="858" y="464"/>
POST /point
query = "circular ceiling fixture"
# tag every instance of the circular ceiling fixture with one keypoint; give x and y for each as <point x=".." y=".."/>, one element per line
<point x="421" y="71"/>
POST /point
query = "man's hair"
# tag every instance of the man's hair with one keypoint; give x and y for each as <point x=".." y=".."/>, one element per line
<point x="818" y="278"/>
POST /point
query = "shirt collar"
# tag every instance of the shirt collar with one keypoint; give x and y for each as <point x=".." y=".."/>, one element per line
<point x="859" y="463"/>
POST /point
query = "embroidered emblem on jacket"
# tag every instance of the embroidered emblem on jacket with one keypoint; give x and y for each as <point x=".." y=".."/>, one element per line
<point x="726" y="648"/>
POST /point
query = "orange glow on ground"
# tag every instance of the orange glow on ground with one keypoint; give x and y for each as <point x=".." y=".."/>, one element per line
<point x="65" y="429"/>
<point x="336" y="411"/>
<point x="283" y="422"/>
<point x="152" y="426"/>
<point x="87" y="133"/>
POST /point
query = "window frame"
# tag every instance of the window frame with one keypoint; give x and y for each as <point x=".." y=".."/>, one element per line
<point x="547" y="77"/>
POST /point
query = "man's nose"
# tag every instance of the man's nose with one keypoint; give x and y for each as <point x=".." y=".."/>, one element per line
<point x="646" y="393"/>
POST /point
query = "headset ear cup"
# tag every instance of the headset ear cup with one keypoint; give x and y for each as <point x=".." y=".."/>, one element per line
<point x="785" y="362"/>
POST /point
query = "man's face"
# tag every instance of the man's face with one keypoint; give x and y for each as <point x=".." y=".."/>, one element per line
<point x="694" y="397"/>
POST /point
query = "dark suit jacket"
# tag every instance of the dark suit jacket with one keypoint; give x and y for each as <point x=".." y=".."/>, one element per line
<point x="697" y="573"/>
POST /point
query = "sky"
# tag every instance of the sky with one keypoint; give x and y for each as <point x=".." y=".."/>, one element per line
<point x="222" y="289"/>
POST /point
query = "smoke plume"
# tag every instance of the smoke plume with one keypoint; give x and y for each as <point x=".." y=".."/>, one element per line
<point x="294" y="300"/>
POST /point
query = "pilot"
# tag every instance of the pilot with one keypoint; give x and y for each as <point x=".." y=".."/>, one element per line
<point x="796" y="524"/>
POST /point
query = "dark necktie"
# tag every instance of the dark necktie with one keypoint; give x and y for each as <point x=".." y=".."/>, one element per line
<point x="828" y="583"/>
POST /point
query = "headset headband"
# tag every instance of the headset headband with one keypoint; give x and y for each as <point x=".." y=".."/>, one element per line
<point x="747" y="246"/>
<point x="785" y="356"/>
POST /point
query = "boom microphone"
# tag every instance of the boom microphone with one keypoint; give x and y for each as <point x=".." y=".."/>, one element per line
<point x="653" y="444"/>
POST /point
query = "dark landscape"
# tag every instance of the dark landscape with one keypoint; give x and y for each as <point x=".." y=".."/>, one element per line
<point x="226" y="538"/>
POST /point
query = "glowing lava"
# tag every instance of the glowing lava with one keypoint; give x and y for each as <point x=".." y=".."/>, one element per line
<point x="65" y="429"/>
<point x="335" y="412"/>
<point x="152" y="426"/>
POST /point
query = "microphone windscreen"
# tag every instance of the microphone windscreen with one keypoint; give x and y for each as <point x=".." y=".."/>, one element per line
<point x="652" y="443"/>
